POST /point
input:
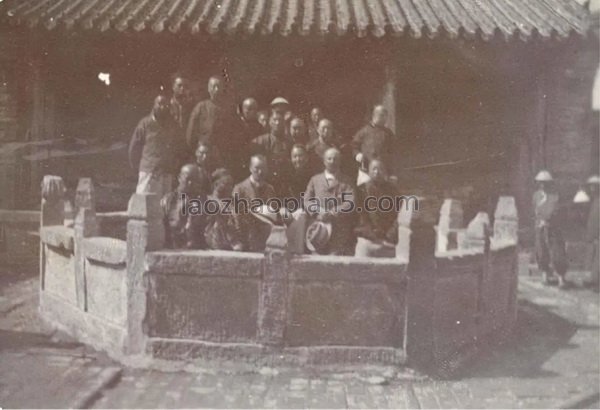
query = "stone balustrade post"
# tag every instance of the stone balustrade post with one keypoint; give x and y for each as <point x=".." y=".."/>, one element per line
<point x="53" y="201"/>
<point x="145" y="232"/>
<point x="506" y="221"/>
<point x="404" y="220"/>
<point x="84" y="226"/>
<point x="450" y="222"/>
<point x="52" y="212"/>
<point x="477" y="232"/>
<point x="272" y="309"/>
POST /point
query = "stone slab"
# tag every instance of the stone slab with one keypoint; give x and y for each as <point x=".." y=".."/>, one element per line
<point x="345" y="313"/>
<point x="106" y="291"/>
<point x="219" y="309"/>
<point x="59" y="274"/>
<point x="106" y="250"/>
<point x="58" y="236"/>
<point x="343" y="268"/>
<point x="206" y="263"/>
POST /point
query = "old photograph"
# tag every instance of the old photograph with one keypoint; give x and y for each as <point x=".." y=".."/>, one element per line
<point x="365" y="204"/>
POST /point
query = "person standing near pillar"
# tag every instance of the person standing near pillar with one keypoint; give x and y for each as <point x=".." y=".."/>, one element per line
<point x="549" y="243"/>
<point x="156" y="150"/>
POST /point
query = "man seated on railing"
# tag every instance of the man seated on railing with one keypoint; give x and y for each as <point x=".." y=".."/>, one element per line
<point x="220" y="226"/>
<point x="185" y="229"/>
<point x="377" y="230"/>
<point x="250" y="231"/>
<point x="329" y="198"/>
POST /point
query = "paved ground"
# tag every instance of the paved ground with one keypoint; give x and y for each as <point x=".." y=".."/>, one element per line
<point x="552" y="358"/>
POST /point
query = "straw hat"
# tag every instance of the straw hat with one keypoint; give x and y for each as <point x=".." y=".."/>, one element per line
<point x="544" y="176"/>
<point x="267" y="215"/>
<point x="318" y="235"/>
<point x="594" y="179"/>
<point x="279" y="101"/>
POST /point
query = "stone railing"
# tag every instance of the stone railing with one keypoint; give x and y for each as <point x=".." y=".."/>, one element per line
<point x="133" y="298"/>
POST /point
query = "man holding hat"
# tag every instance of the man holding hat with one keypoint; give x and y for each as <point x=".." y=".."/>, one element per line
<point x="593" y="226"/>
<point x="549" y="244"/>
<point x="329" y="199"/>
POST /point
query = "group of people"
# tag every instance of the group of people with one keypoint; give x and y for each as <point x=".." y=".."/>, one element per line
<point x="216" y="150"/>
<point x="550" y="247"/>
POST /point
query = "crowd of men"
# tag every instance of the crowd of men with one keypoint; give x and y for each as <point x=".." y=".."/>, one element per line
<point x="216" y="149"/>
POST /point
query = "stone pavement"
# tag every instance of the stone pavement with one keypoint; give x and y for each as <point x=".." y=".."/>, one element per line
<point x="551" y="358"/>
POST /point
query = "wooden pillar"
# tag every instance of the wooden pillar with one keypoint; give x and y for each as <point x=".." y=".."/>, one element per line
<point x="388" y="98"/>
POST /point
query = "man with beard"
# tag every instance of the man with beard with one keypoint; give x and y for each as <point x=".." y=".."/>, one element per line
<point x="156" y="150"/>
<point x="316" y="115"/>
<point x="250" y="232"/>
<point x="184" y="230"/>
<point x="329" y="198"/>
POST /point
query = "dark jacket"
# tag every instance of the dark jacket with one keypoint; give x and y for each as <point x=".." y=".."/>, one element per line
<point x="374" y="142"/>
<point x="201" y="126"/>
<point x="342" y="236"/>
<point x="181" y="231"/>
<point x="249" y="230"/>
<point x="593" y="222"/>
<point x="156" y="147"/>
<point x="376" y="225"/>
<point x="277" y="152"/>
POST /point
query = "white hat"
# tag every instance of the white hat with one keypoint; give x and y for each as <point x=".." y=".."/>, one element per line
<point x="266" y="214"/>
<point x="279" y="101"/>
<point x="594" y="179"/>
<point x="317" y="235"/>
<point x="581" y="197"/>
<point x="544" y="176"/>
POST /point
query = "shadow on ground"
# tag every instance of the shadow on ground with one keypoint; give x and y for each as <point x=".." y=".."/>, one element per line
<point x="537" y="336"/>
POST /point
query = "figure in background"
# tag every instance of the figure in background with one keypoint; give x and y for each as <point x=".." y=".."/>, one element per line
<point x="263" y="120"/>
<point x="207" y="159"/>
<point x="155" y="150"/>
<point x="299" y="172"/>
<point x="549" y="243"/>
<point x="327" y="139"/>
<point x="297" y="131"/>
<point x="220" y="225"/>
<point x="592" y="232"/>
<point x="316" y="115"/>
<point x="373" y="141"/>
<point x="377" y="230"/>
<point x="181" y="106"/>
<point x="248" y="123"/>
<point x="250" y="232"/>
<point x="330" y="198"/>
<point x="276" y="148"/>
<point x="206" y="114"/>
<point x="280" y="106"/>
<point x="184" y="230"/>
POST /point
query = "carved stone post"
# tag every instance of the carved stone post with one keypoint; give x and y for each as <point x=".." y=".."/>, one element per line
<point x="145" y="232"/>
<point x="506" y="221"/>
<point x="272" y="312"/>
<point x="53" y="202"/>
<point x="85" y="226"/>
<point x="404" y="220"/>
<point x="451" y="221"/>
<point x="52" y="212"/>
<point x="477" y="231"/>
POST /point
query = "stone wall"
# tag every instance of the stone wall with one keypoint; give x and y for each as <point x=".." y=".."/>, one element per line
<point x="436" y="300"/>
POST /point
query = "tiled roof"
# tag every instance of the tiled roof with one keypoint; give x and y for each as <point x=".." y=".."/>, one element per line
<point x="307" y="17"/>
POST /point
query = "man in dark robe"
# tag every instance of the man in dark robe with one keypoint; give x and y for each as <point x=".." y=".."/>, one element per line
<point x="185" y="230"/>
<point x="377" y="229"/>
<point x="374" y="140"/>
